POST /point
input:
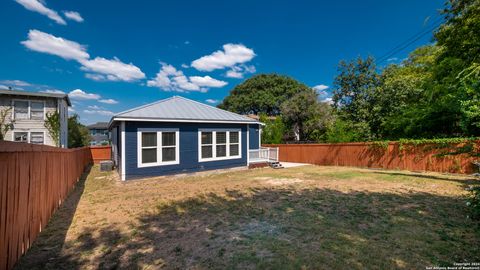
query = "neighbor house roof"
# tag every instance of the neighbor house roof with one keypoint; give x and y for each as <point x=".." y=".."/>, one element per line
<point x="180" y="109"/>
<point x="35" y="94"/>
<point x="98" y="125"/>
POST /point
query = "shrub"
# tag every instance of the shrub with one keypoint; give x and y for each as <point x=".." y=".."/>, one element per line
<point x="474" y="201"/>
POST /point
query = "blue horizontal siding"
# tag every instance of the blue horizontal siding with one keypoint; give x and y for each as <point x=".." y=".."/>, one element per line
<point x="254" y="131"/>
<point x="188" y="133"/>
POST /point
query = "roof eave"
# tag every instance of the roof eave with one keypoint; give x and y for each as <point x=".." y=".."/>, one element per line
<point x="143" y="119"/>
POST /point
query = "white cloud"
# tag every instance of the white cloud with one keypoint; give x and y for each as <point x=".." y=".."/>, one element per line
<point x="53" y="91"/>
<point x="108" y="101"/>
<point x="3" y="86"/>
<point x="46" y="43"/>
<point x="185" y="66"/>
<point x="231" y="55"/>
<point x="101" y="69"/>
<point x="320" y="87"/>
<point x="327" y="100"/>
<point x="80" y="94"/>
<point x="234" y="74"/>
<point x="239" y="71"/>
<point x="212" y="101"/>
<point x="39" y="6"/>
<point x="15" y="83"/>
<point x="113" y="69"/>
<point x="100" y="112"/>
<point x="207" y="81"/>
<point x="73" y="15"/>
<point x="95" y="107"/>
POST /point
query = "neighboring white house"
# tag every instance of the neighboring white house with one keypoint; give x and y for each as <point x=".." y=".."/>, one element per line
<point x="28" y="110"/>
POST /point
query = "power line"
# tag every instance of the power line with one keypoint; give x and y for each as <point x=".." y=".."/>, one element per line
<point x="410" y="41"/>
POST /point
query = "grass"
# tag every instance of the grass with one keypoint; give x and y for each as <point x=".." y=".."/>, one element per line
<point x="299" y="218"/>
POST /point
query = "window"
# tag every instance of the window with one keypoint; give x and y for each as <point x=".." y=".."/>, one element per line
<point x="93" y="132"/>
<point x="20" y="136"/>
<point x="20" y="109"/>
<point x="218" y="145"/>
<point x="158" y="148"/>
<point x="36" y="110"/>
<point x="36" y="137"/>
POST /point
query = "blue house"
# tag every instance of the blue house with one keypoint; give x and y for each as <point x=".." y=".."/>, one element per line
<point x="179" y="135"/>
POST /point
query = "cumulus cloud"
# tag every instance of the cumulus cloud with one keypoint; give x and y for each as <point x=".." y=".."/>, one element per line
<point x="207" y="81"/>
<point x="239" y="71"/>
<point x="171" y="79"/>
<point x="212" y="101"/>
<point x="327" y="100"/>
<point x="95" y="107"/>
<point x="39" y="6"/>
<point x="320" y="87"/>
<point x="113" y="69"/>
<point x="15" y="83"/>
<point x="53" y="91"/>
<point x="231" y="55"/>
<point x="73" y="15"/>
<point x="46" y="43"/>
<point x="99" y="112"/>
<point x="108" y="101"/>
<point x="99" y="68"/>
<point x="80" y="94"/>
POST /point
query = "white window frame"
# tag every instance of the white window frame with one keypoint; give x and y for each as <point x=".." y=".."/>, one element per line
<point x="28" y="135"/>
<point x="159" y="148"/>
<point x="29" y="109"/>
<point x="214" y="145"/>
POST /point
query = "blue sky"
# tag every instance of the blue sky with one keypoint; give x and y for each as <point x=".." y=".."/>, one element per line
<point x="114" y="55"/>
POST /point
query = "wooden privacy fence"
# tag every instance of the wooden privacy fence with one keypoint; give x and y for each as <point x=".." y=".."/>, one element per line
<point x="100" y="153"/>
<point x="394" y="156"/>
<point x="34" y="181"/>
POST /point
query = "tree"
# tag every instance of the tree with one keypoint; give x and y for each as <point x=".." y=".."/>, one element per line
<point x="306" y="115"/>
<point x="274" y="129"/>
<point x="263" y="93"/>
<point x="5" y="125"/>
<point x="52" y="124"/>
<point x="78" y="134"/>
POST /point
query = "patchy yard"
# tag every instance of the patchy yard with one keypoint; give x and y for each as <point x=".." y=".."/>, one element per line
<point x="306" y="217"/>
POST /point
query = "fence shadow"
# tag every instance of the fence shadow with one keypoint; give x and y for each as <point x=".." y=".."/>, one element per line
<point x="50" y="241"/>
<point x="274" y="228"/>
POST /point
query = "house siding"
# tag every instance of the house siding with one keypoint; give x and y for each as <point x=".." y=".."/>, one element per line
<point x="27" y="125"/>
<point x="254" y="131"/>
<point x="188" y="143"/>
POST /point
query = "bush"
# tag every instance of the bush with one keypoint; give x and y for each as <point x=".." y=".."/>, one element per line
<point x="474" y="201"/>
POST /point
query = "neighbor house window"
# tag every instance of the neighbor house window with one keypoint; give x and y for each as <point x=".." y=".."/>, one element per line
<point x="158" y="148"/>
<point x="20" y="109"/>
<point x="20" y="136"/>
<point x="36" y="110"/>
<point x="36" y="137"/>
<point x="218" y="145"/>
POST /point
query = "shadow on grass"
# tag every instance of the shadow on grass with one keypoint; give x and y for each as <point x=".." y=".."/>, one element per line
<point x="49" y="243"/>
<point x="464" y="182"/>
<point x="283" y="229"/>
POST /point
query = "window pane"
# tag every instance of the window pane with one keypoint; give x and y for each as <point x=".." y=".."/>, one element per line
<point x="21" y="109"/>
<point x="149" y="139"/>
<point x="234" y="137"/>
<point x="206" y="137"/>
<point x="233" y="149"/>
<point x="168" y="154"/>
<point x="221" y="137"/>
<point x="168" y="138"/>
<point x="149" y="155"/>
<point x="207" y="151"/>
<point x="221" y="150"/>
<point x="36" y="137"/>
<point x="36" y="115"/>
<point x="20" y="136"/>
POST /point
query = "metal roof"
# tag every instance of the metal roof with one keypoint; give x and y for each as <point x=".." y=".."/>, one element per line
<point x="34" y="94"/>
<point x="98" y="125"/>
<point x="180" y="109"/>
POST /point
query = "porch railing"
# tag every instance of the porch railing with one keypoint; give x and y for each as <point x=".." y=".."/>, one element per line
<point x="264" y="154"/>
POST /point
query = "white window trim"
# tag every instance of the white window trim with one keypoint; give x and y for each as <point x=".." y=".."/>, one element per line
<point x="214" y="145"/>
<point x="28" y="135"/>
<point x="29" y="110"/>
<point x="159" y="149"/>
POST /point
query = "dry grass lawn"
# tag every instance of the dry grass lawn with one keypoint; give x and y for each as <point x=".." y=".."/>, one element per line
<point x="299" y="218"/>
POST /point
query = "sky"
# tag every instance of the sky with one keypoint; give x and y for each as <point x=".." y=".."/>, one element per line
<point x="110" y="56"/>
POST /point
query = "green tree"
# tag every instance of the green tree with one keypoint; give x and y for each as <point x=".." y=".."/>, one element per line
<point x="5" y="124"/>
<point x="78" y="134"/>
<point x="263" y="93"/>
<point x="52" y="124"/>
<point x="274" y="129"/>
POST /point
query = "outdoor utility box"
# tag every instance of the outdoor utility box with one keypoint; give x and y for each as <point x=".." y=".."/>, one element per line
<point x="106" y="165"/>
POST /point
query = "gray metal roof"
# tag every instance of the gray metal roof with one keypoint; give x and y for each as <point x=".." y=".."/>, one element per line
<point x="182" y="109"/>
<point x="34" y="94"/>
<point x="98" y="125"/>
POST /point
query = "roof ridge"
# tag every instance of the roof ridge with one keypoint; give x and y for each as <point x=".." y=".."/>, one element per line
<point x="212" y="106"/>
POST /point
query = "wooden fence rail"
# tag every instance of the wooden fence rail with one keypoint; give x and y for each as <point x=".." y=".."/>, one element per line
<point x="34" y="181"/>
<point x="394" y="156"/>
<point x="100" y="153"/>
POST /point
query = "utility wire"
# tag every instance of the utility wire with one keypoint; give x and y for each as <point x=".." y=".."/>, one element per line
<point x="409" y="41"/>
